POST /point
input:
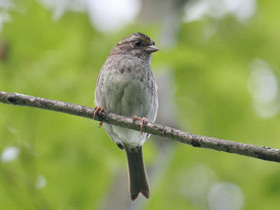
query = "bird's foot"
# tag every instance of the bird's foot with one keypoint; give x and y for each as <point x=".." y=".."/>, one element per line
<point x="96" y="110"/>
<point x="143" y="122"/>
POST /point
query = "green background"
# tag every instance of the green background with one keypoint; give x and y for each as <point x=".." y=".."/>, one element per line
<point x="61" y="60"/>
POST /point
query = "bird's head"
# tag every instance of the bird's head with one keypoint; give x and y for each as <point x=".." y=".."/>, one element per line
<point x="136" y="44"/>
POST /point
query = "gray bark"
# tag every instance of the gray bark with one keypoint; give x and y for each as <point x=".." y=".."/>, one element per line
<point x="264" y="153"/>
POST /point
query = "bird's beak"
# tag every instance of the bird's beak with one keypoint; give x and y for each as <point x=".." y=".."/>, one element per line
<point x="151" y="49"/>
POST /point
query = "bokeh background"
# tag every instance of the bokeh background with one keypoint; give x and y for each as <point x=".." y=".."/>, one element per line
<point x="218" y="75"/>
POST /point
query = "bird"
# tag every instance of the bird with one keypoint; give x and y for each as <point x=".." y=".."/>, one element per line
<point x="126" y="86"/>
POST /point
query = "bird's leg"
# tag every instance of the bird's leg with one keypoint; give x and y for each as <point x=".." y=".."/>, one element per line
<point x="96" y="110"/>
<point x="143" y="122"/>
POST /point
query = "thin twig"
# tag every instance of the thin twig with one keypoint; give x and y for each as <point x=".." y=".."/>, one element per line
<point x="265" y="153"/>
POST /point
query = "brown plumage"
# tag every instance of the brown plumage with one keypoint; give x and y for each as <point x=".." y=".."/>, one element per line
<point x="126" y="86"/>
<point x="137" y="173"/>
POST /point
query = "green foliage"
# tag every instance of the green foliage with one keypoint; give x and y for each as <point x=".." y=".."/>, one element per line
<point x="61" y="60"/>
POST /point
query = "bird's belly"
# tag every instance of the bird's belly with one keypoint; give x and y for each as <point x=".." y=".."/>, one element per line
<point x="128" y="97"/>
<point x="128" y="90"/>
<point x="124" y="136"/>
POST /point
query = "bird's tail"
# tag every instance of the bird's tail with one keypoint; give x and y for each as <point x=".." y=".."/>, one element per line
<point x="137" y="173"/>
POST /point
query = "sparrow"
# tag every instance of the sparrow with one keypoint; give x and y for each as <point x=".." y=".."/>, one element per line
<point x="126" y="86"/>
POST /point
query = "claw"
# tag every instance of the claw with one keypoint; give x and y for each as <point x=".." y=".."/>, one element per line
<point x="100" y="124"/>
<point x="96" y="110"/>
<point x="143" y="122"/>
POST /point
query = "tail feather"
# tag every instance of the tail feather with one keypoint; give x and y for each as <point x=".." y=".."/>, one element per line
<point x="137" y="173"/>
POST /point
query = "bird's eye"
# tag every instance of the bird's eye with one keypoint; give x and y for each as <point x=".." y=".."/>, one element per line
<point x="153" y="43"/>
<point x="138" y="43"/>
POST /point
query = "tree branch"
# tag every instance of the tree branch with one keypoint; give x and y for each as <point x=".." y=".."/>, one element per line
<point x="265" y="153"/>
